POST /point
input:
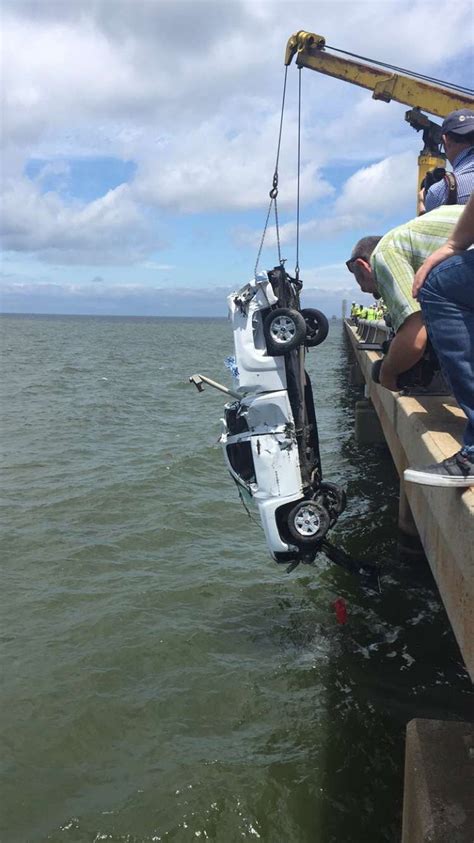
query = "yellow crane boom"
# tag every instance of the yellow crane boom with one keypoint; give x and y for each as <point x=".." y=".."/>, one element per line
<point x="437" y="99"/>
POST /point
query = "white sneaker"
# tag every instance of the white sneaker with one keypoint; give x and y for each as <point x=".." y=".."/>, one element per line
<point x="457" y="470"/>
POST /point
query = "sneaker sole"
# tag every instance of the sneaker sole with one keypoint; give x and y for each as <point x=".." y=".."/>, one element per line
<point x="425" y="479"/>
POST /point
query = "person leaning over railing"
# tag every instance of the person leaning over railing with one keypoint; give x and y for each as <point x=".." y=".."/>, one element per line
<point x="444" y="287"/>
<point x="386" y="266"/>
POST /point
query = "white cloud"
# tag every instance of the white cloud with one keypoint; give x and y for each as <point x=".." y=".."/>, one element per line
<point x="159" y="267"/>
<point x="109" y="230"/>
<point x="226" y="164"/>
<point x="51" y="82"/>
<point x="368" y="197"/>
<point x="315" y="229"/>
<point x="109" y="298"/>
<point x="170" y="64"/>
<point x="380" y="189"/>
<point x="191" y="92"/>
<point x="330" y="277"/>
<point x="138" y="299"/>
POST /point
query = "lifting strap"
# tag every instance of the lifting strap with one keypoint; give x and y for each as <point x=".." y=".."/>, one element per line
<point x="450" y="181"/>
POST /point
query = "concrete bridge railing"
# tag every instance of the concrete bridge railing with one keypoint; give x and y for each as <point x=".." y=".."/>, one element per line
<point x="420" y="429"/>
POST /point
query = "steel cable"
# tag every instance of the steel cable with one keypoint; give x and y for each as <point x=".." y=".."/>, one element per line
<point x="297" y="267"/>
<point x="403" y="70"/>
<point x="274" y="190"/>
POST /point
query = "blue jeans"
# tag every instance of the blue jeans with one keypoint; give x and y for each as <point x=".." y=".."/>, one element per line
<point x="447" y="305"/>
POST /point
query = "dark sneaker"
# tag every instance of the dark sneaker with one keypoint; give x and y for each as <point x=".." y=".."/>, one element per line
<point x="455" y="471"/>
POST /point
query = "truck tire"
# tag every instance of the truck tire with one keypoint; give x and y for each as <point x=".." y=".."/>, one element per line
<point x="284" y="329"/>
<point x="317" y="326"/>
<point x="308" y="522"/>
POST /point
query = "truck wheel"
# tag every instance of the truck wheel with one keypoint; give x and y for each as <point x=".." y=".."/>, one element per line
<point x="317" y="326"/>
<point x="284" y="330"/>
<point x="308" y="522"/>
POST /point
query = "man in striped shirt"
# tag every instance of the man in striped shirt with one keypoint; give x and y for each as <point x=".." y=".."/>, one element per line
<point x="457" y="132"/>
<point x="386" y="266"/>
<point x="444" y="286"/>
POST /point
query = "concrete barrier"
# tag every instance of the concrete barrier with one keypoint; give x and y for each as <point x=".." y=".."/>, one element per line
<point x="438" y="805"/>
<point x="420" y="429"/>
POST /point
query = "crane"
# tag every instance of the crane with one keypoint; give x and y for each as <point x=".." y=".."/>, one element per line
<point x="387" y="83"/>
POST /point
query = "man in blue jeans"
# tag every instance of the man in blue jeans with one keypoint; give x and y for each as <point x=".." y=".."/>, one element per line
<point x="444" y="286"/>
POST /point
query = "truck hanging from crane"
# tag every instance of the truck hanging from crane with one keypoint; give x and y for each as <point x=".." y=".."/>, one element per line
<point x="387" y="83"/>
<point x="270" y="435"/>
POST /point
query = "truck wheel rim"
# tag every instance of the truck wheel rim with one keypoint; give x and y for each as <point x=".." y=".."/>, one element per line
<point x="283" y="329"/>
<point x="307" y="522"/>
<point x="312" y="328"/>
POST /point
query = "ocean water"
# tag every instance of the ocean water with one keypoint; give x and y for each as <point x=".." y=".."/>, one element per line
<point x="162" y="678"/>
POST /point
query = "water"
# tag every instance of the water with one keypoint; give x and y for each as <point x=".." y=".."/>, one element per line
<point x="162" y="679"/>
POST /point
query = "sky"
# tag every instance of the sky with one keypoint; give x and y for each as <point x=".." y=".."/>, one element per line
<point x="139" y="142"/>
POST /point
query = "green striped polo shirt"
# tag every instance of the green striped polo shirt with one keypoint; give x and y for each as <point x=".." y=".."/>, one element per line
<point x="401" y="252"/>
